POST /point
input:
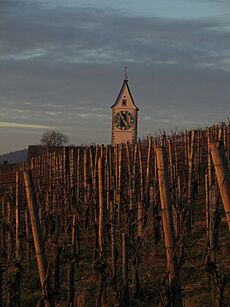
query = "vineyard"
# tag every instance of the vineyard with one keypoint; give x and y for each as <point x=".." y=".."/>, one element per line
<point x="130" y="225"/>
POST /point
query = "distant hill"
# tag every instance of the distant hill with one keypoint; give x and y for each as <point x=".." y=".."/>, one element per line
<point x="14" y="156"/>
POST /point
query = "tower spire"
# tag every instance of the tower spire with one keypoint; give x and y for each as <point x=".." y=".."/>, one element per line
<point x="126" y="73"/>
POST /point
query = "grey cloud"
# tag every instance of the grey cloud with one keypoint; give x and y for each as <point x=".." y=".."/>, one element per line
<point x="20" y="125"/>
<point x="91" y="36"/>
<point x="64" y="67"/>
<point x="27" y="55"/>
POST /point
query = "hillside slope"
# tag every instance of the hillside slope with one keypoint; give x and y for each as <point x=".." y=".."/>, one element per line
<point x="15" y="156"/>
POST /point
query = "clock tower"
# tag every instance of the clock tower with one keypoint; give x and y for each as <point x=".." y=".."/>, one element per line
<point x="124" y="116"/>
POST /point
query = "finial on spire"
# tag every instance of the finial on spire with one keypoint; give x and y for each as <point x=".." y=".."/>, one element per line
<point x="126" y="73"/>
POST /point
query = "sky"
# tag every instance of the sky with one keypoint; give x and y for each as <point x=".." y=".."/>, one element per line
<point x="62" y="66"/>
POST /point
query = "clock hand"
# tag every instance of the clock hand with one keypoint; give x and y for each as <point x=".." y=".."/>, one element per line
<point x="123" y="120"/>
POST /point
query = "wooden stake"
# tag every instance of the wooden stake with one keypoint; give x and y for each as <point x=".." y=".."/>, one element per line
<point x="17" y="219"/>
<point x="125" y="269"/>
<point x="73" y="260"/>
<point x="112" y="234"/>
<point x="101" y="226"/>
<point x="207" y="215"/>
<point x="168" y="227"/>
<point x="190" y="177"/>
<point x="37" y="235"/>
<point x="9" y="231"/>
<point x="222" y="174"/>
<point x="28" y="253"/>
<point x="1" y="247"/>
<point x="118" y="182"/>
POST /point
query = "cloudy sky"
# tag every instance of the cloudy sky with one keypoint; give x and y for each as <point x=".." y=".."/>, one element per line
<point x="62" y="62"/>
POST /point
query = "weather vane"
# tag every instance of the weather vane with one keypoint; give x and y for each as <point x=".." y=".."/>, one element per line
<point x="126" y="73"/>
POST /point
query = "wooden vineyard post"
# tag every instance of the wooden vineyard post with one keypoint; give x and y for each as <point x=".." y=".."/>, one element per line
<point x="112" y="234"/>
<point x="107" y="176"/>
<point x="66" y="178"/>
<point x="71" y="172"/>
<point x="2" y="228"/>
<point x="91" y="167"/>
<point x="222" y="174"/>
<point x="178" y="194"/>
<point x="168" y="227"/>
<point x="134" y="172"/>
<point x="73" y="260"/>
<point x="125" y="299"/>
<point x="85" y="173"/>
<point x="211" y="205"/>
<point x="228" y="143"/>
<point x="171" y="163"/>
<point x="17" y="219"/>
<point x="37" y="235"/>
<point x="100" y="263"/>
<point x="190" y="177"/>
<point x="18" y="254"/>
<point x="1" y="303"/>
<point x="9" y="232"/>
<point x="101" y="226"/>
<point x="28" y="252"/>
<point x="217" y="287"/>
<point x="118" y="181"/>
<point x="130" y="196"/>
<point x="147" y="175"/>
<point x="57" y="252"/>
<point x="207" y="217"/>
<point x="140" y="196"/>
<point x="154" y="210"/>
<point x="3" y="224"/>
<point x="1" y="247"/>
<point x="78" y="177"/>
<point x="208" y="182"/>
<point x="170" y="160"/>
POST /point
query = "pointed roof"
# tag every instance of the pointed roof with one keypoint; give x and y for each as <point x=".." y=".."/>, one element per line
<point x="124" y="85"/>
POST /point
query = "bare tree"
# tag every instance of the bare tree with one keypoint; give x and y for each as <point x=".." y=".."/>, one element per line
<point x="54" y="138"/>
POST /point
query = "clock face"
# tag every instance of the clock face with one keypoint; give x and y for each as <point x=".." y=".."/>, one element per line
<point x="123" y="120"/>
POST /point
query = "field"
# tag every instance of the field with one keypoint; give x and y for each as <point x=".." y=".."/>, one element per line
<point x="130" y="225"/>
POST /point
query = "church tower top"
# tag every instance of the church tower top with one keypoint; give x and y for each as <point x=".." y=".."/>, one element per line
<point x="124" y="91"/>
<point x="124" y="116"/>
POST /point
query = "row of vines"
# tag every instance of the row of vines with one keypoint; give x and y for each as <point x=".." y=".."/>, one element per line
<point x="128" y="225"/>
